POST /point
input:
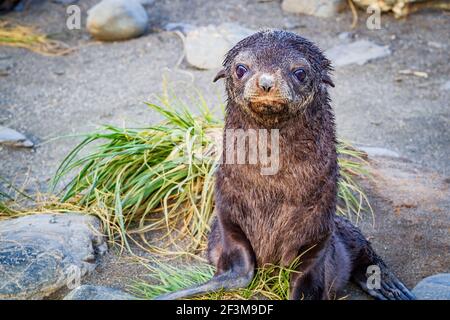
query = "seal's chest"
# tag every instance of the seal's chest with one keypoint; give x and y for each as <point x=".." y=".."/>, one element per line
<point x="272" y="229"/>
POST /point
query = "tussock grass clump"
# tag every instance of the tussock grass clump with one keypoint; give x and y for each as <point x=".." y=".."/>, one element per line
<point x="161" y="178"/>
<point x="15" y="35"/>
<point x="150" y="179"/>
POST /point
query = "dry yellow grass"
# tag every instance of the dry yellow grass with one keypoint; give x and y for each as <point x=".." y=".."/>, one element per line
<point x="13" y="34"/>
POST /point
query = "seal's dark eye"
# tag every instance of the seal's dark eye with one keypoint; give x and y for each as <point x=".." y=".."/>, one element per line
<point x="240" y="71"/>
<point x="300" y="74"/>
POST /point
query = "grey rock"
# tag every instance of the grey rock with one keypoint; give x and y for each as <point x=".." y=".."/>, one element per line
<point x="318" y="8"/>
<point x="179" y="26"/>
<point x="112" y="20"/>
<point x="205" y="47"/>
<point x="42" y="253"/>
<point x="290" y="25"/>
<point x="59" y="72"/>
<point x="379" y="152"/>
<point x="89" y="292"/>
<point x="12" y="138"/>
<point x="436" y="45"/>
<point x="359" y="52"/>
<point x="436" y="287"/>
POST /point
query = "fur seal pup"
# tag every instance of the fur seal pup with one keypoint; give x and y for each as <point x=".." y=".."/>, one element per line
<point x="277" y="80"/>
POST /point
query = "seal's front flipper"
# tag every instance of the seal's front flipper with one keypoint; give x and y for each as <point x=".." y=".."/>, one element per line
<point x="235" y="265"/>
<point x="226" y="281"/>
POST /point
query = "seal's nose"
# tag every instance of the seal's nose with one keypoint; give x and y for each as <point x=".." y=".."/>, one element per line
<point x="266" y="82"/>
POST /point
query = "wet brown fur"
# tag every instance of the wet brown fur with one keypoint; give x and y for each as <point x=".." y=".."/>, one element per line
<point x="275" y="218"/>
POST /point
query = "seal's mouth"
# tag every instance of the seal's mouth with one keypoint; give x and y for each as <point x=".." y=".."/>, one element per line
<point x="268" y="106"/>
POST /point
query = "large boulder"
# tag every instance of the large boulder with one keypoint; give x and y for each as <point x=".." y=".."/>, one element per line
<point x="205" y="47"/>
<point x="42" y="253"/>
<point x="318" y="8"/>
<point x="89" y="292"/>
<point x="112" y="20"/>
<point x="357" y="52"/>
<point x="436" y="287"/>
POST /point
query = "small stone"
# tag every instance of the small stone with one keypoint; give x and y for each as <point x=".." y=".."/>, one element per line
<point x="89" y="292"/>
<point x="206" y="47"/>
<point x="179" y="26"/>
<point x="416" y="73"/>
<point x="112" y="20"/>
<point x="359" y="52"/>
<point x="318" y="8"/>
<point x="42" y="253"/>
<point x="59" y="72"/>
<point x="12" y="138"/>
<point x="379" y="152"/>
<point x="436" y="287"/>
<point x="5" y="67"/>
<point x="436" y="45"/>
<point x="289" y="25"/>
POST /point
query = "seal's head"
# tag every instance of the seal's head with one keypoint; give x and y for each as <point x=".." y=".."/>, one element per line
<point x="274" y="74"/>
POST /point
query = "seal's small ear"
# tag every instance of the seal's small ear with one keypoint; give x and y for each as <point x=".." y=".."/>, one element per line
<point x="219" y="75"/>
<point x="327" y="79"/>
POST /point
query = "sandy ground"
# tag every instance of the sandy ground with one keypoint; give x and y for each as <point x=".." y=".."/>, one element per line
<point x="410" y="229"/>
<point x="107" y="83"/>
